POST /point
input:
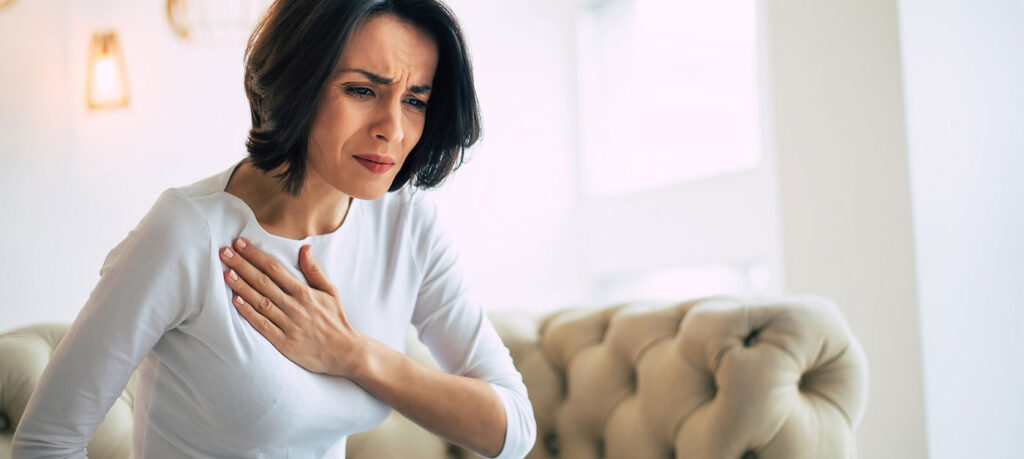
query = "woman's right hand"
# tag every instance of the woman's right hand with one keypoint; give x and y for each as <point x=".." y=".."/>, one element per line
<point x="305" y="321"/>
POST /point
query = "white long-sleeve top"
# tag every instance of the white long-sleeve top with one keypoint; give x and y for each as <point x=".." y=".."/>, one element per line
<point x="209" y="384"/>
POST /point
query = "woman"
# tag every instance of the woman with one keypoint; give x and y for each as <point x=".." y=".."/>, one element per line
<point x="239" y="358"/>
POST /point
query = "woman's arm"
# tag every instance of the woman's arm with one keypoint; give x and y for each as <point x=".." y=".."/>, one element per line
<point x="465" y="410"/>
<point x="146" y="288"/>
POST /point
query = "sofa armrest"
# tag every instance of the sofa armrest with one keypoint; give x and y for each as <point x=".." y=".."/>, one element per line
<point x="24" y="354"/>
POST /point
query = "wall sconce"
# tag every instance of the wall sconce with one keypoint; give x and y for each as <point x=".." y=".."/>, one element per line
<point x="107" y="80"/>
<point x="4" y="3"/>
<point x="214" y="21"/>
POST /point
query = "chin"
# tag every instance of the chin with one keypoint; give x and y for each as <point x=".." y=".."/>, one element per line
<point x="358" y="184"/>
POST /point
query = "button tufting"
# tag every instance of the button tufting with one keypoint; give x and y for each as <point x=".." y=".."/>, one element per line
<point x="749" y="455"/>
<point x="551" y="444"/>
<point x="453" y="452"/>
<point x="751" y="339"/>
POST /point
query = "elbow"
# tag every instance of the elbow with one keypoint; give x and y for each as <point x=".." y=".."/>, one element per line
<point x="25" y="446"/>
<point x="530" y="436"/>
<point x="520" y="432"/>
<point x="22" y="449"/>
<point x="529" y="432"/>
<point x="515" y="446"/>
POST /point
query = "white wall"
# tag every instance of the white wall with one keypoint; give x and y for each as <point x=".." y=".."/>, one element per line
<point x="76" y="181"/>
<point x="963" y="65"/>
<point x="845" y="195"/>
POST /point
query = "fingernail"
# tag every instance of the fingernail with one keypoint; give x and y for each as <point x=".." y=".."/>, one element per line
<point x="232" y="274"/>
<point x="239" y="300"/>
<point x="228" y="253"/>
<point x="240" y="242"/>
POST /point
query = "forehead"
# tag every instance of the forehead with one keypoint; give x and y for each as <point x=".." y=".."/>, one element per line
<point x="391" y="47"/>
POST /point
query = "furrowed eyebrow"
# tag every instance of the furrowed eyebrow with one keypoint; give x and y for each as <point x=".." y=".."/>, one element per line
<point x="377" y="79"/>
<point x="373" y="77"/>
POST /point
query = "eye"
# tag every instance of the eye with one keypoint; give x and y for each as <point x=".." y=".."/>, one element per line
<point x="416" y="103"/>
<point x="359" y="92"/>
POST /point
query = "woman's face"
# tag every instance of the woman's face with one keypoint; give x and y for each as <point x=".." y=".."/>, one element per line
<point x="371" y="112"/>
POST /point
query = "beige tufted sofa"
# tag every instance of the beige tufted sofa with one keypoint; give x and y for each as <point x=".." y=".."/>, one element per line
<point x="709" y="378"/>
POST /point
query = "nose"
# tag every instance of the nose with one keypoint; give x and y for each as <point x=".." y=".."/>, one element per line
<point x="388" y="124"/>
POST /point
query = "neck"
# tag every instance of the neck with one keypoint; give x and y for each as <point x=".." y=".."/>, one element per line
<point x="318" y="209"/>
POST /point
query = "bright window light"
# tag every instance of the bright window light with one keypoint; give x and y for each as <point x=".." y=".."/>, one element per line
<point x="668" y="92"/>
<point x="686" y="282"/>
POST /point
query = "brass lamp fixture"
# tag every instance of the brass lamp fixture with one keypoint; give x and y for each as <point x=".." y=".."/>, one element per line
<point x="177" y="17"/>
<point x="107" y="85"/>
<point x="212" y="21"/>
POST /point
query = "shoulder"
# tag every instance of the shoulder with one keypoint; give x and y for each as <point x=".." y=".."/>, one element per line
<point x="420" y="207"/>
<point x="176" y="226"/>
<point x="174" y="217"/>
<point x="172" y="233"/>
<point x="182" y="214"/>
<point x="411" y="211"/>
<point x="431" y="238"/>
<point x="412" y="219"/>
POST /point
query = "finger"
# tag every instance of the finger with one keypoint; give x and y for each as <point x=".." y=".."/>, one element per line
<point x="261" y="323"/>
<point x="315" y="276"/>
<point x="252" y="275"/>
<point x="268" y="265"/>
<point x="247" y="296"/>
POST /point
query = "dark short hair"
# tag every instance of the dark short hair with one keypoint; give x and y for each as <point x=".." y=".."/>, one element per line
<point x="291" y="55"/>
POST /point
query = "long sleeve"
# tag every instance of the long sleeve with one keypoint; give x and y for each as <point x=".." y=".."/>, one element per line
<point x="460" y="336"/>
<point x="149" y="284"/>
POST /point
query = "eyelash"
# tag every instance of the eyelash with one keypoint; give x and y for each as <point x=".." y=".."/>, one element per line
<point x="363" y="93"/>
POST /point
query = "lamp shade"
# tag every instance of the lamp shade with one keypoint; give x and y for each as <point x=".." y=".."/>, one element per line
<point x="107" y="81"/>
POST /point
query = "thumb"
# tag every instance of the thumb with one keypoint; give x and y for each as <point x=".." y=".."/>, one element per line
<point x="314" y="275"/>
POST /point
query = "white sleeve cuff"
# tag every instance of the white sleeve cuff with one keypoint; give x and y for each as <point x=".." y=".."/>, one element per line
<point x="520" y="426"/>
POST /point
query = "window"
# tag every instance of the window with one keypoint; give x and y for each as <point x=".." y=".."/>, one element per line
<point x="668" y="92"/>
<point x="677" y="197"/>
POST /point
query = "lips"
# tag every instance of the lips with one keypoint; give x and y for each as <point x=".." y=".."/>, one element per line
<point x="375" y="163"/>
<point x="379" y="159"/>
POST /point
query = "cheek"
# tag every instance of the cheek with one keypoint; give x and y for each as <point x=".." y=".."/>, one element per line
<point x="328" y="134"/>
<point x="320" y="145"/>
<point x="325" y="154"/>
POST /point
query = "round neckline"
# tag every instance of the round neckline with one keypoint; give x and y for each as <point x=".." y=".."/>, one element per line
<point x="251" y="216"/>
